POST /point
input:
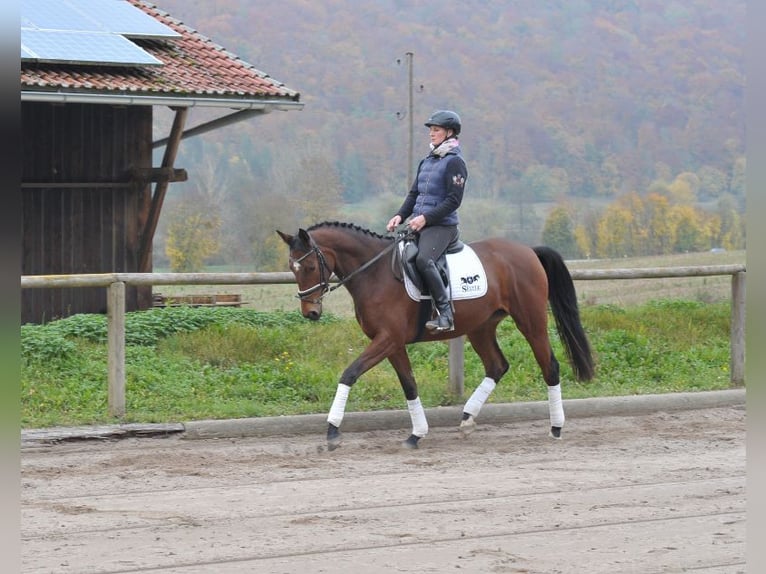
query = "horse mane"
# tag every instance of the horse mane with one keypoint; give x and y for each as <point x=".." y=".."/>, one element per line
<point x="350" y="226"/>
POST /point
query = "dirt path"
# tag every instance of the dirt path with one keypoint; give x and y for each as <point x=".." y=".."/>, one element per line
<point x="648" y="494"/>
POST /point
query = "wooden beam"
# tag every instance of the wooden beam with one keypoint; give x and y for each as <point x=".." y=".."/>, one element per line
<point x="145" y="254"/>
<point x="158" y="174"/>
<point x="78" y="185"/>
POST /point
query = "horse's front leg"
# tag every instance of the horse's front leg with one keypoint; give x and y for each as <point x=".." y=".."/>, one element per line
<point x="378" y="349"/>
<point x="401" y="363"/>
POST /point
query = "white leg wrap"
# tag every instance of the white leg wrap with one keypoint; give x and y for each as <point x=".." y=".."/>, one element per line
<point x="479" y="397"/>
<point x="556" y="406"/>
<point x="418" y="416"/>
<point x="338" y="408"/>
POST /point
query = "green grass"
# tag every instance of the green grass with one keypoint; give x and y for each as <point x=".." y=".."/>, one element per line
<point x="210" y="363"/>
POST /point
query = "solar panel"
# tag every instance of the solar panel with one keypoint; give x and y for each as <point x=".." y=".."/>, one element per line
<point x="57" y="15"/>
<point x="116" y="16"/>
<point x="82" y="48"/>
<point x="88" y="32"/>
<point x="26" y="54"/>
<point x="122" y="18"/>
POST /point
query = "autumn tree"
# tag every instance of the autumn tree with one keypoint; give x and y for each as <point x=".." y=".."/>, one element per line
<point x="730" y="231"/>
<point x="192" y="236"/>
<point x="558" y="233"/>
<point x="713" y="182"/>
<point x="614" y="235"/>
<point x="690" y="233"/>
<point x="659" y="230"/>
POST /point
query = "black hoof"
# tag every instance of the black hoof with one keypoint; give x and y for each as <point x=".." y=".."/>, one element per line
<point x="334" y="439"/>
<point x="411" y="442"/>
<point x="556" y="432"/>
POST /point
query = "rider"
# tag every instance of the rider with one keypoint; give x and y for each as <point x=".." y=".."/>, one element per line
<point x="432" y="203"/>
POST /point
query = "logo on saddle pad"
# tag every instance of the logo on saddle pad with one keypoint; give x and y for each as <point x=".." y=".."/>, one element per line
<point x="466" y="277"/>
<point x="471" y="283"/>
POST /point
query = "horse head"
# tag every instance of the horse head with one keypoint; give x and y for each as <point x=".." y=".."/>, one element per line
<point x="311" y="270"/>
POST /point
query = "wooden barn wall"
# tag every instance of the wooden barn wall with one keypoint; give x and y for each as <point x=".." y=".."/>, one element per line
<point x="82" y="229"/>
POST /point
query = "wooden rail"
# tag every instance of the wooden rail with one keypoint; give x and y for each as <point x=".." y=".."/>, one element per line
<point x="115" y="283"/>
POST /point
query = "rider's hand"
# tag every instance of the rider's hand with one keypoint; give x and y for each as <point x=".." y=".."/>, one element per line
<point x="417" y="223"/>
<point x="393" y="222"/>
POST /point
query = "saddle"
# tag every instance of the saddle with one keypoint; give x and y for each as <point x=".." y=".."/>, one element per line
<point x="460" y="269"/>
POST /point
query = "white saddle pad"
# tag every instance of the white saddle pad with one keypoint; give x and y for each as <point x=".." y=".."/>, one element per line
<point x="466" y="277"/>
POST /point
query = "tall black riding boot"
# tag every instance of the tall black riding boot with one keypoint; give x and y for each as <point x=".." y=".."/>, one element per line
<point x="433" y="280"/>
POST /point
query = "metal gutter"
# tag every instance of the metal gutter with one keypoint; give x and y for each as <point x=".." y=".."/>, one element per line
<point x="246" y="108"/>
<point x="171" y="101"/>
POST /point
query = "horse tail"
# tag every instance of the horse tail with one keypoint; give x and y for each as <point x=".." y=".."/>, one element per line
<point x="563" y="301"/>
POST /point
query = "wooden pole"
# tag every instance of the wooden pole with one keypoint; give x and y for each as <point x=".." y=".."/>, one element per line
<point x="116" y="348"/>
<point x="456" y="366"/>
<point x="737" y="361"/>
<point x="171" y="150"/>
<point x="410" y="112"/>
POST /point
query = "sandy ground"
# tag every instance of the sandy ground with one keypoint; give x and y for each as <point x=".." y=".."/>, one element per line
<point x="630" y="494"/>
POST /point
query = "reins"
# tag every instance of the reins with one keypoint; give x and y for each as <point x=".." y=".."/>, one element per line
<point x="324" y="283"/>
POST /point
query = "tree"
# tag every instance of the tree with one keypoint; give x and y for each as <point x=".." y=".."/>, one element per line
<point x="683" y="189"/>
<point x="690" y="233"/>
<point x="615" y="238"/>
<point x="193" y="235"/>
<point x="558" y="233"/>
<point x="730" y="230"/>
<point x="659" y="228"/>
<point x="713" y="182"/>
<point x="737" y="181"/>
<point x="353" y="178"/>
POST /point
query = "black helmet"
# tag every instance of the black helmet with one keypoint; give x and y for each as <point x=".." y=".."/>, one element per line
<point x="445" y="119"/>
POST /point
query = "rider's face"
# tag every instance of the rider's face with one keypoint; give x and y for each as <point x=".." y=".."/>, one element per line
<point x="437" y="134"/>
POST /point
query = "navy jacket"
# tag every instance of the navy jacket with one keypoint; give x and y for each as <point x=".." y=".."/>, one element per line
<point x="437" y="191"/>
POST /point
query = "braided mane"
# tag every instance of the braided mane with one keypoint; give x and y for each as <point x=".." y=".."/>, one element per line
<point x="350" y="226"/>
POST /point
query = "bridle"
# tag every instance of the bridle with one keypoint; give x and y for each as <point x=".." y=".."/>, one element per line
<point x="324" y="276"/>
<point x="325" y="272"/>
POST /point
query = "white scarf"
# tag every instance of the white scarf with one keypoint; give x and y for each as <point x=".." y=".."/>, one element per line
<point x="443" y="148"/>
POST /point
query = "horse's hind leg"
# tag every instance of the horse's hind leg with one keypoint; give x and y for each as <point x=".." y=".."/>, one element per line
<point x="541" y="347"/>
<point x="401" y="363"/>
<point x="484" y="342"/>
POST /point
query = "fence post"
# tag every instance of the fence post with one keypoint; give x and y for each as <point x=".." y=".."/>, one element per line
<point x="456" y="366"/>
<point x="115" y="307"/>
<point x="737" y="360"/>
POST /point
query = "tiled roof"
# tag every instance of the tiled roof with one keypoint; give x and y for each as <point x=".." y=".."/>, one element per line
<point x="193" y="66"/>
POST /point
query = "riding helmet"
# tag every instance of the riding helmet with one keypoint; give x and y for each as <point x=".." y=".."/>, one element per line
<point x="446" y="119"/>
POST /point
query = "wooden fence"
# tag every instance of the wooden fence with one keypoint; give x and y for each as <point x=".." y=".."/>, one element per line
<point x="115" y="283"/>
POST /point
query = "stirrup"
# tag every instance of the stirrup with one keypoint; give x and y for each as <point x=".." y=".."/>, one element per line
<point x="438" y="325"/>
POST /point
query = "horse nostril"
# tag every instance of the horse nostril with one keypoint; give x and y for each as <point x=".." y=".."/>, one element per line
<point x="313" y="315"/>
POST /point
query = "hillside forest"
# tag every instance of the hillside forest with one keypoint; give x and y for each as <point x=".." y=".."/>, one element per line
<point x="604" y="128"/>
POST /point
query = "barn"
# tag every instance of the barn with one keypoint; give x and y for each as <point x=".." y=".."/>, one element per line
<point x="94" y="75"/>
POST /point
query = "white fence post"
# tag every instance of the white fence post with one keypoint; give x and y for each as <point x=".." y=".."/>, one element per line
<point x="115" y="309"/>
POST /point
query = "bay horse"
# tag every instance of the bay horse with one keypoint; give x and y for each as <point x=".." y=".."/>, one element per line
<point x="521" y="281"/>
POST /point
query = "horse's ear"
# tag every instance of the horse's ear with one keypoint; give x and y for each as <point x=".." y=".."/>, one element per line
<point x="304" y="236"/>
<point x="285" y="237"/>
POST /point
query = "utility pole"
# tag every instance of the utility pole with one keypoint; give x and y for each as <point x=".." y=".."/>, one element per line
<point x="410" y="106"/>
